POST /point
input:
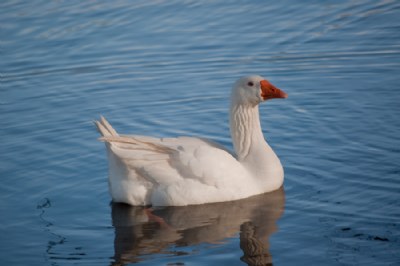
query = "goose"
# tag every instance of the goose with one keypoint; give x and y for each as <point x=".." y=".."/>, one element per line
<point x="149" y="171"/>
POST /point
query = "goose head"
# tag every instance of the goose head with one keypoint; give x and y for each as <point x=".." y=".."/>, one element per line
<point x="252" y="90"/>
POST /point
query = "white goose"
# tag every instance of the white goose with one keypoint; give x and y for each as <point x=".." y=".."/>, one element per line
<point x="187" y="170"/>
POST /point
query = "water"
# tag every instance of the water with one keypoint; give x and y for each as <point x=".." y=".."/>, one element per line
<point x="165" y="69"/>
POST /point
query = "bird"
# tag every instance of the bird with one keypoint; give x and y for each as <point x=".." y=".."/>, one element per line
<point x="181" y="171"/>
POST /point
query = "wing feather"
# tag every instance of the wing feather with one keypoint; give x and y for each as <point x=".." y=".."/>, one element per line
<point x="146" y="170"/>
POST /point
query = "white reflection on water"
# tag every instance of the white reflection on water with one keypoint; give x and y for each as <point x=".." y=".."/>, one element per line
<point x="167" y="228"/>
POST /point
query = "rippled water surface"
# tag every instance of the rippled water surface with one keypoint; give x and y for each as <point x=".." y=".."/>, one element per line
<point x="165" y="68"/>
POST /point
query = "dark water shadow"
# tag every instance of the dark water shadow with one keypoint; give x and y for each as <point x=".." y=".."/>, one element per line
<point x="139" y="232"/>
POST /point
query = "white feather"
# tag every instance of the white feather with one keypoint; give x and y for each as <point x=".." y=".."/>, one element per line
<point x="186" y="170"/>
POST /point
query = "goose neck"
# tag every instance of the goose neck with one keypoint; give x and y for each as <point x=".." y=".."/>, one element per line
<point x="245" y="129"/>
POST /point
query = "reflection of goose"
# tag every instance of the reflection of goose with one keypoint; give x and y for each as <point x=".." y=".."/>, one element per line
<point x="138" y="232"/>
<point x="187" y="170"/>
<point x="255" y="253"/>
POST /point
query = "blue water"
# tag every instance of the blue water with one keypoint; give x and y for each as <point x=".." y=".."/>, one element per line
<point x="165" y="68"/>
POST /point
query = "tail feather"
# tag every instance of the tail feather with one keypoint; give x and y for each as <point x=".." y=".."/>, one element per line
<point x="108" y="126"/>
<point x="109" y="135"/>
<point x="105" y="129"/>
<point x="136" y="144"/>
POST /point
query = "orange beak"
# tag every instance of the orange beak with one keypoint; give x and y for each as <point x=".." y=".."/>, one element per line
<point x="269" y="91"/>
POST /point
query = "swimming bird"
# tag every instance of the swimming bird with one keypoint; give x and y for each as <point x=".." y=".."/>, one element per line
<point x="184" y="171"/>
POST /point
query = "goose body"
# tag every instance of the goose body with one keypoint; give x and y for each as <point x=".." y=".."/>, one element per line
<point x="187" y="170"/>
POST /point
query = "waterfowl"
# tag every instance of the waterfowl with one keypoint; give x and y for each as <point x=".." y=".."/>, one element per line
<point x="188" y="170"/>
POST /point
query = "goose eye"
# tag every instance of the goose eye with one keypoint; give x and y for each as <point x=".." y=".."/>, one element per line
<point x="250" y="83"/>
